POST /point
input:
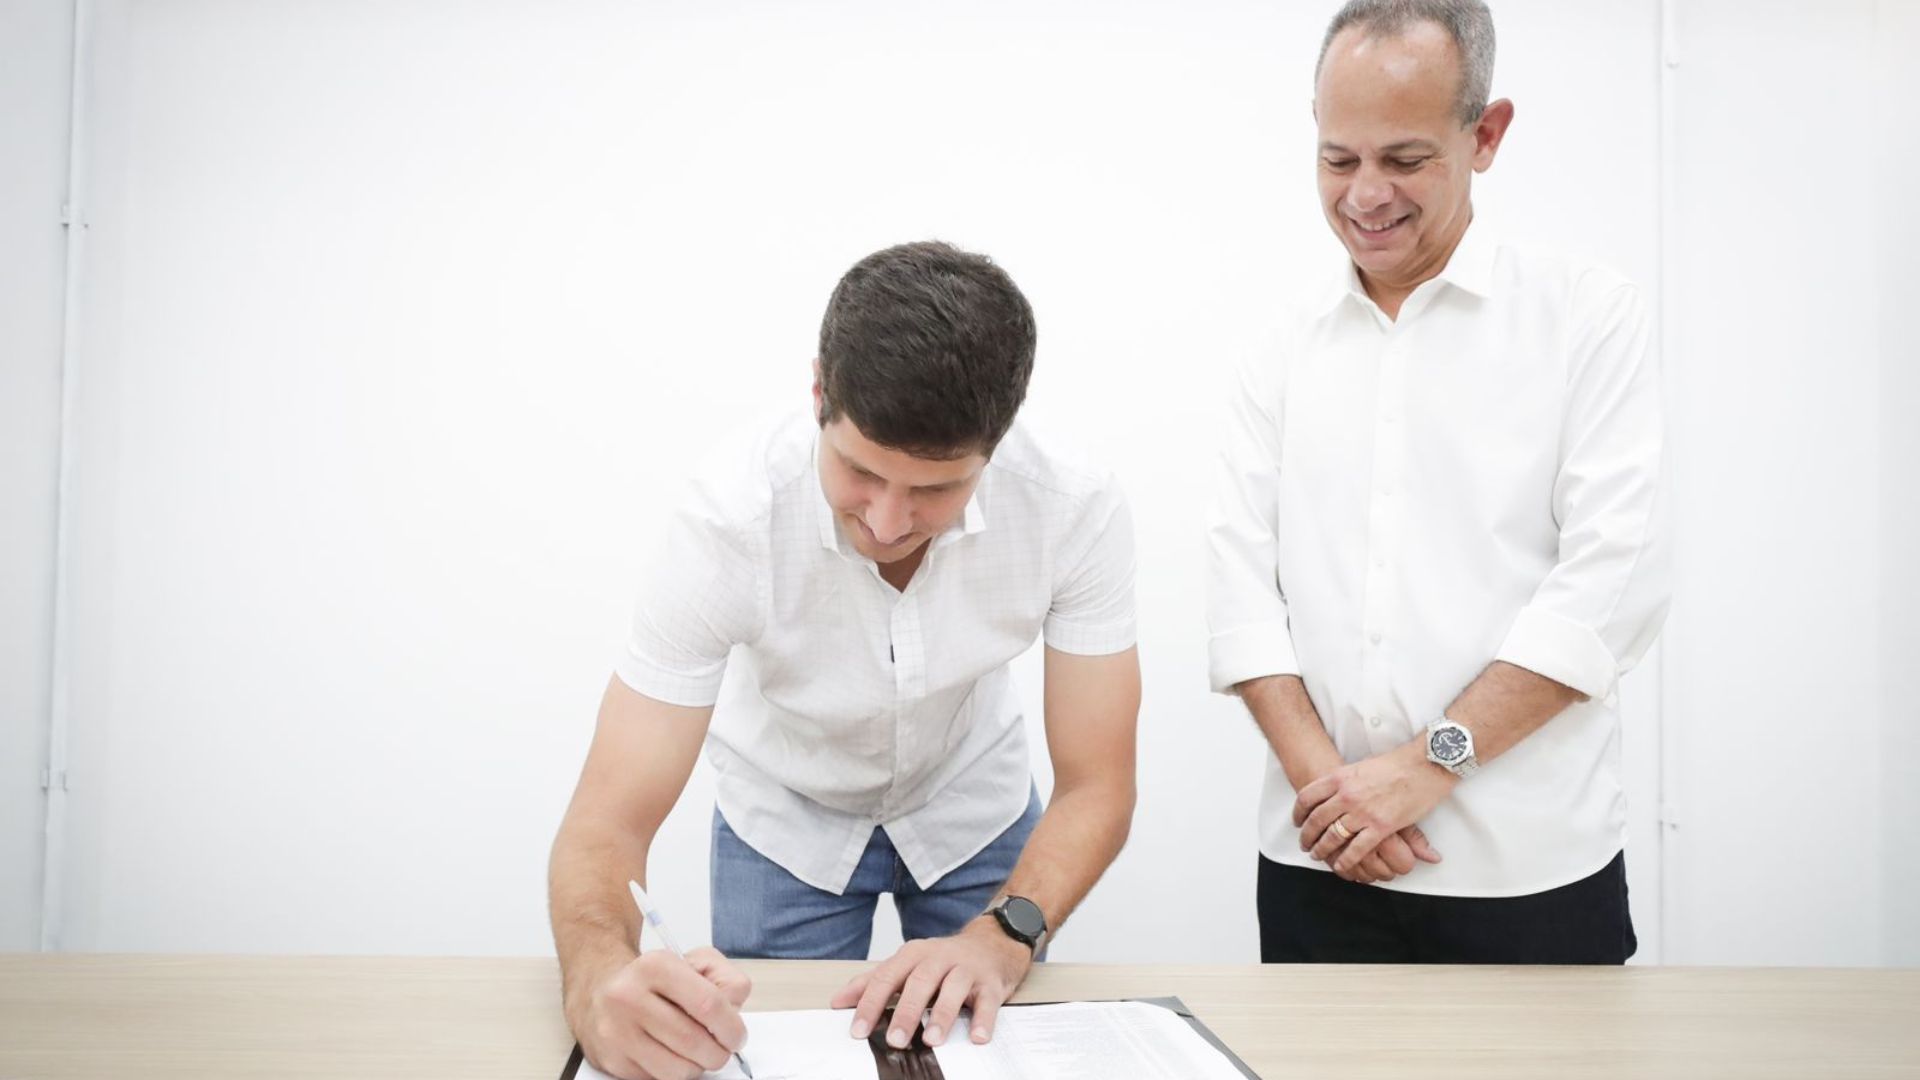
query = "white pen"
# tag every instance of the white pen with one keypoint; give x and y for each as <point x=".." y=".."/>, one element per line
<point x="652" y="915"/>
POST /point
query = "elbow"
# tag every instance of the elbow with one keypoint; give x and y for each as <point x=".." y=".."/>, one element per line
<point x="1108" y="799"/>
<point x="1121" y="798"/>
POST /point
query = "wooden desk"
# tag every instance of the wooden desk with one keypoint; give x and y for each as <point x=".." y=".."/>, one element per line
<point x="159" y="1017"/>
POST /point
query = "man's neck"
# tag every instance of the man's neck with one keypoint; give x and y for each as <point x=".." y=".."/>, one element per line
<point x="899" y="573"/>
<point x="1387" y="297"/>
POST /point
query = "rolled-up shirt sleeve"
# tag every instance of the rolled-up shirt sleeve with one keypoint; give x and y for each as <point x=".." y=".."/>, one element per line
<point x="1248" y="635"/>
<point x="1597" y="611"/>
<point x="699" y="598"/>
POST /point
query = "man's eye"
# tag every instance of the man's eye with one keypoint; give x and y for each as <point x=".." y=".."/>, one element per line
<point x="1338" y="164"/>
<point x="1408" y="164"/>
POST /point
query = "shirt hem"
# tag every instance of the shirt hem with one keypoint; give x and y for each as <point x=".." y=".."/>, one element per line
<point x="1303" y="861"/>
<point x="992" y="835"/>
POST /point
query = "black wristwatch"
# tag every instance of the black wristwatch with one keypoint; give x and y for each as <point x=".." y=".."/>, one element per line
<point x="1022" y="919"/>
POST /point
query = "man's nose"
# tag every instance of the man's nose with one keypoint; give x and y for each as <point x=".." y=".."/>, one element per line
<point x="890" y="517"/>
<point x="1369" y="191"/>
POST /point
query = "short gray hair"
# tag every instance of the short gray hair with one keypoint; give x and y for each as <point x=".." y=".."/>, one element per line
<point x="1468" y="22"/>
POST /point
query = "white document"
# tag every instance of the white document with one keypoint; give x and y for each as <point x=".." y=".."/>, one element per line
<point x="1090" y="1040"/>
<point x="800" y="1044"/>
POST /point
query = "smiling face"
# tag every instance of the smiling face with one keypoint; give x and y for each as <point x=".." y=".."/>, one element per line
<point x="890" y="503"/>
<point x="1396" y="164"/>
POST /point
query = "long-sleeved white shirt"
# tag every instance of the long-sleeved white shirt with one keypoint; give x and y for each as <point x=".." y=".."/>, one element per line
<point x="1401" y="503"/>
<point x="848" y="704"/>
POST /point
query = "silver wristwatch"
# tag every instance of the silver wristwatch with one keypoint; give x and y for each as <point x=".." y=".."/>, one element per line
<point x="1450" y="746"/>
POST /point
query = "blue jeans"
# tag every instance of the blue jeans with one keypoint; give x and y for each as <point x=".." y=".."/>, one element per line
<point x="761" y="910"/>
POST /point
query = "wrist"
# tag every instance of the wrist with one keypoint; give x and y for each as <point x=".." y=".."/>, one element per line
<point x="1020" y="920"/>
<point x="987" y="929"/>
<point x="1415" y="755"/>
<point x="1303" y="765"/>
<point x="586" y="972"/>
<point x="1447" y="746"/>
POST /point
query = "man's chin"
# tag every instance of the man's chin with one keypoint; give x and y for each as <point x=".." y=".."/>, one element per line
<point x="889" y="556"/>
<point x="1378" y="264"/>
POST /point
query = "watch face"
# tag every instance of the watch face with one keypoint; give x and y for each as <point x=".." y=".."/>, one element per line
<point x="1448" y="744"/>
<point x="1024" y="915"/>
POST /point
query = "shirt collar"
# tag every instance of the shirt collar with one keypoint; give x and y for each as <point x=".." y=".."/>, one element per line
<point x="1348" y="285"/>
<point x="1469" y="268"/>
<point x="829" y="528"/>
<point x="972" y="520"/>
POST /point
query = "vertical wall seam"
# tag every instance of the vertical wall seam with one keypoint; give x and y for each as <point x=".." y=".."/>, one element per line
<point x="74" y="214"/>
<point x="1667" y="771"/>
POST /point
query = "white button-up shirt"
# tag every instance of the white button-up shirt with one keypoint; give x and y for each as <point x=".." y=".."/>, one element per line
<point x="847" y="704"/>
<point x="1404" y="502"/>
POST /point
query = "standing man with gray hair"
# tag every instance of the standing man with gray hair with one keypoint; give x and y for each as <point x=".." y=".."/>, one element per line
<point x="1438" y="543"/>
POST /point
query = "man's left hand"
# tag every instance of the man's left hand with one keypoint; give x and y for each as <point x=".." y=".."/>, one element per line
<point x="979" y="966"/>
<point x="1372" y="800"/>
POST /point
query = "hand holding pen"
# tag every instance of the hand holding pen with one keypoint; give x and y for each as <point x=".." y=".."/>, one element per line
<point x="652" y="915"/>
<point x="662" y="1013"/>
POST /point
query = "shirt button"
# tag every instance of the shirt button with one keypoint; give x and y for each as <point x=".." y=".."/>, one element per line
<point x="1373" y="721"/>
<point x="1375" y="638"/>
<point x="1379" y="564"/>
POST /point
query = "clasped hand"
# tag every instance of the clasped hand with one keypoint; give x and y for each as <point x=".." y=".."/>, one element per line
<point x="1375" y="803"/>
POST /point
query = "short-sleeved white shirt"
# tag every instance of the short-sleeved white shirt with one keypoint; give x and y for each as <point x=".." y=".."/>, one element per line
<point x="840" y="703"/>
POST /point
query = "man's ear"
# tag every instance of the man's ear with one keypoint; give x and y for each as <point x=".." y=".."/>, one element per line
<point x="1488" y="131"/>
<point x="819" y="395"/>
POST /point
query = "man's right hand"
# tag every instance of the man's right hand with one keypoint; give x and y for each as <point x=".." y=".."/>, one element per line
<point x="659" y="1017"/>
<point x="1396" y="855"/>
<point x="1286" y="716"/>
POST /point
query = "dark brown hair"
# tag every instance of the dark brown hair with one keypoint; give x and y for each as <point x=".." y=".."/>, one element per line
<point x="927" y="349"/>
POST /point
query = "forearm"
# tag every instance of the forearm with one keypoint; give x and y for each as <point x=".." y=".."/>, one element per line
<point x="1092" y="707"/>
<point x="1505" y="704"/>
<point x="1074" y="842"/>
<point x="595" y="926"/>
<point x="1286" y="716"/>
<point x="641" y="755"/>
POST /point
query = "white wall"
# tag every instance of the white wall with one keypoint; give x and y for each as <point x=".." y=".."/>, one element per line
<point x="1784" y="460"/>
<point x="1896" y="131"/>
<point x="405" y="321"/>
<point x="35" y="45"/>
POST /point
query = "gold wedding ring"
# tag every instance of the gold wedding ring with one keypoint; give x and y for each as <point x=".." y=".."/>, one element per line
<point x="1340" y="831"/>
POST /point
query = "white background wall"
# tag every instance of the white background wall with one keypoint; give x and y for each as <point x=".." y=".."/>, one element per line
<point x="1783" y="640"/>
<point x="1896" y="134"/>
<point x="35" y="42"/>
<point x="403" y="323"/>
